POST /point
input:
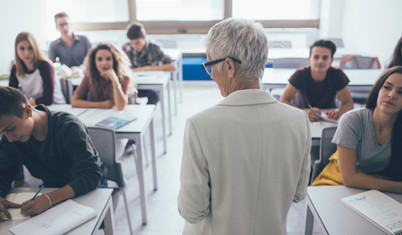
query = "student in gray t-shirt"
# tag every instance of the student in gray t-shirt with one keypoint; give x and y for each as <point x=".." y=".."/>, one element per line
<point x="70" y="48"/>
<point x="370" y="140"/>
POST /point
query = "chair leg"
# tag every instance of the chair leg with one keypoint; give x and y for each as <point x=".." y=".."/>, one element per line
<point x="127" y="212"/>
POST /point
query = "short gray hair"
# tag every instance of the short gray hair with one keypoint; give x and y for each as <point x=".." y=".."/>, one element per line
<point x="241" y="39"/>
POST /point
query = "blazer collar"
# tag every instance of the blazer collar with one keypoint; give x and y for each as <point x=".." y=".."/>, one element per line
<point x="247" y="97"/>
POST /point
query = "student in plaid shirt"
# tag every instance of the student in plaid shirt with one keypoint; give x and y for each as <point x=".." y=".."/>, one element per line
<point x="145" y="56"/>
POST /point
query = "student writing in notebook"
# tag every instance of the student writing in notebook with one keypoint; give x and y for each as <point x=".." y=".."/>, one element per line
<point x="54" y="146"/>
<point x="146" y="55"/>
<point x="107" y="81"/>
<point x="369" y="149"/>
<point x="317" y="85"/>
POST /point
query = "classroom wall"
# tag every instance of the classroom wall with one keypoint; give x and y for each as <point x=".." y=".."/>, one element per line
<point x="372" y="26"/>
<point x="15" y="17"/>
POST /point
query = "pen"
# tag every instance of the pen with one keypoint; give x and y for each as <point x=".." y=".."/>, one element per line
<point x="36" y="194"/>
<point x="316" y="113"/>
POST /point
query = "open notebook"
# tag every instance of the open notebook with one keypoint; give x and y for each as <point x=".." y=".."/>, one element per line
<point x="380" y="209"/>
<point x="57" y="220"/>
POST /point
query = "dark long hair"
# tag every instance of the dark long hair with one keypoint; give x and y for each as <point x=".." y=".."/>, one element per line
<point x="397" y="55"/>
<point x="394" y="169"/>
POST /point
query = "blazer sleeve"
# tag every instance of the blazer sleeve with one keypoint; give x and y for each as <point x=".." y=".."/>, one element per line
<point x="195" y="192"/>
<point x="301" y="190"/>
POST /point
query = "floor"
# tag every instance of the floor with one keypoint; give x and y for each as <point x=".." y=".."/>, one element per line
<point x="163" y="216"/>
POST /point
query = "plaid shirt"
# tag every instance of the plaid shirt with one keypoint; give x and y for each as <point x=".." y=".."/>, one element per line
<point x="152" y="54"/>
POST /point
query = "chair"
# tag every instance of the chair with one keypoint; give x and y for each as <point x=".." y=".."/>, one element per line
<point x="291" y="63"/>
<point x="359" y="62"/>
<point x="326" y="150"/>
<point x="337" y="41"/>
<point x="104" y="140"/>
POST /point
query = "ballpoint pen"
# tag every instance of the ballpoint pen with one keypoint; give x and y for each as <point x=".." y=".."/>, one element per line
<point x="36" y="194"/>
<point x="316" y="113"/>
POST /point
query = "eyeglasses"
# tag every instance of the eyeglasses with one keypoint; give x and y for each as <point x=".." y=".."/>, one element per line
<point x="207" y="66"/>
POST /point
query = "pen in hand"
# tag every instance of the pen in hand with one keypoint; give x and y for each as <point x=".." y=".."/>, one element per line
<point x="316" y="113"/>
<point x="36" y="194"/>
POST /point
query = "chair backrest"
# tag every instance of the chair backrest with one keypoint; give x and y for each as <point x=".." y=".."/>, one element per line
<point x="337" y="41"/>
<point x="327" y="148"/>
<point x="104" y="140"/>
<point x="289" y="62"/>
<point x="360" y="62"/>
<point x="279" y="44"/>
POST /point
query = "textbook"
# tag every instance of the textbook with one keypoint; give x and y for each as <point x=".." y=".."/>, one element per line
<point x="380" y="209"/>
<point x="57" y="220"/>
<point x="116" y="121"/>
<point x="18" y="198"/>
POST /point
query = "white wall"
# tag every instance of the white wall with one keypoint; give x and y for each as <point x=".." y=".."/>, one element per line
<point x="17" y="16"/>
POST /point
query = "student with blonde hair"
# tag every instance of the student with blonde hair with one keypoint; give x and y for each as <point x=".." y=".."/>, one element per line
<point x="33" y="73"/>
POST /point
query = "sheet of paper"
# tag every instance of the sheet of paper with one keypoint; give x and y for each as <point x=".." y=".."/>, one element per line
<point x="57" y="220"/>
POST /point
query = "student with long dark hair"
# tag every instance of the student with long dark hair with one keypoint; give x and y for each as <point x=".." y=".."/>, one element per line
<point x="369" y="148"/>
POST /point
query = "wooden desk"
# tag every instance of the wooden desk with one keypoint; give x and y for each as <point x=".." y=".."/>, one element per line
<point x="134" y="130"/>
<point x="333" y="217"/>
<point x="99" y="199"/>
<point x="361" y="80"/>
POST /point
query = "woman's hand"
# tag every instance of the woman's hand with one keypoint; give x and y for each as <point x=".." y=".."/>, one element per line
<point x="314" y="114"/>
<point x="37" y="206"/>
<point x="110" y="75"/>
<point x="4" y="205"/>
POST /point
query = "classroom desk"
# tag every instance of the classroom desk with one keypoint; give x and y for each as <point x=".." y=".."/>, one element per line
<point x="99" y="199"/>
<point x="333" y="217"/>
<point x="3" y="82"/>
<point x="154" y="80"/>
<point x="361" y="80"/>
<point x="157" y="80"/>
<point x="177" y="76"/>
<point x="134" y="130"/>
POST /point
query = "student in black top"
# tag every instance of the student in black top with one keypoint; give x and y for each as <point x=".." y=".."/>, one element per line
<point x="54" y="146"/>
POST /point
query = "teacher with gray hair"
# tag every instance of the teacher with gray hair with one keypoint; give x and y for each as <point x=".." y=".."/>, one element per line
<point x="246" y="159"/>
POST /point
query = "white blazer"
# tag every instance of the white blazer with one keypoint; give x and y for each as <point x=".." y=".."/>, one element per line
<point x="244" y="162"/>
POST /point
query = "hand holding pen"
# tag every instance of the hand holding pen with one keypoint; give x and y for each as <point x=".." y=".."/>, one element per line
<point x="36" y="205"/>
<point x="314" y="114"/>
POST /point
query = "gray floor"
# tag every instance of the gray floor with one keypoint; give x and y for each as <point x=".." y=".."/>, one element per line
<point x="163" y="217"/>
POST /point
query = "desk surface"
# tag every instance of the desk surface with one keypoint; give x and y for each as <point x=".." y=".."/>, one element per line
<point x="90" y="116"/>
<point x="97" y="199"/>
<point x="335" y="216"/>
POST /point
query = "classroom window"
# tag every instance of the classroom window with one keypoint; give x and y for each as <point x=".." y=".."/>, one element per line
<point x="276" y="10"/>
<point x="181" y="10"/>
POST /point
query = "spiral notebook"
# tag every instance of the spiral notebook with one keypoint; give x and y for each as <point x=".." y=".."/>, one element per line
<point x="380" y="209"/>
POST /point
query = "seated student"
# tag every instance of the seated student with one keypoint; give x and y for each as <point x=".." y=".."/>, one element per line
<point x="369" y="140"/>
<point x="145" y="56"/>
<point x="33" y="73"/>
<point x="70" y="48"/>
<point x="107" y="79"/>
<point x="54" y="146"/>
<point x="317" y="85"/>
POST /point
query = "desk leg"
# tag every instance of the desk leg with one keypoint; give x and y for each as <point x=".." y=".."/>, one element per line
<point x="109" y="218"/>
<point x="138" y="141"/>
<point x="162" y="100"/>
<point x="180" y="68"/>
<point x="174" y="76"/>
<point x="309" y="222"/>
<point x="169" y="109"/>
<point x="152" y="136"/>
